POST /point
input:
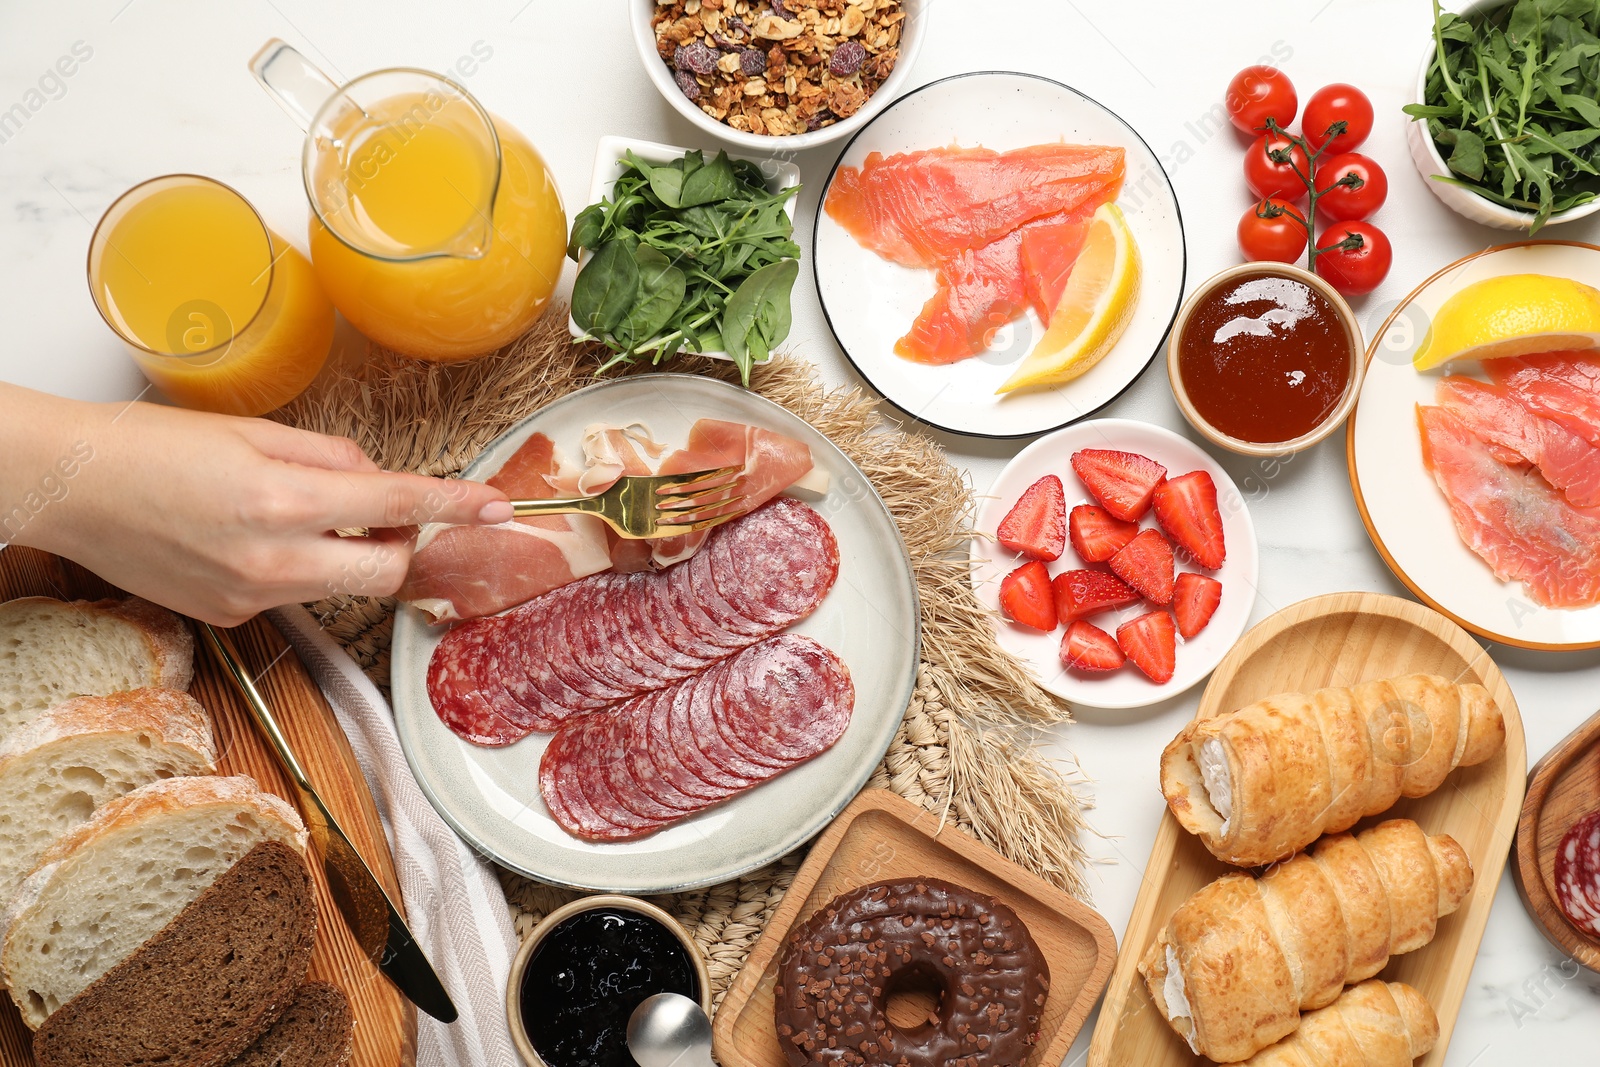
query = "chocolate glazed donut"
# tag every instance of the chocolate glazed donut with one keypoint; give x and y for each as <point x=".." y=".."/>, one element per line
<point x="839" y="969"/>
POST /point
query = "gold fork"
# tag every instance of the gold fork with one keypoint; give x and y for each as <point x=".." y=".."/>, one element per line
<point x="645" y="507"/>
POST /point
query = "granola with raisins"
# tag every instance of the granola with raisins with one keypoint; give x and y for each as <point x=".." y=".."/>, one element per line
<point x="778" y="67"/>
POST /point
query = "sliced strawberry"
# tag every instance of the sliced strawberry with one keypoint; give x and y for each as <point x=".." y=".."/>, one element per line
<point x="1026" y="596"/>
<point x="1186" y="507"/>
<point x="1194" y="600"/>
<point x="1122" y="481"/>
<point x="1086" y="647"/>
<point x="1096" y="534"/>
<point x="1080" y="594"/>
<point x="1146" y="564"/>
<point x="1151" y="643"/>
<point x="1036" y="525"/>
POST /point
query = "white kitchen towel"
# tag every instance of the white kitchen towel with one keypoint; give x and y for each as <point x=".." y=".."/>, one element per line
<point x="454" y="902"/>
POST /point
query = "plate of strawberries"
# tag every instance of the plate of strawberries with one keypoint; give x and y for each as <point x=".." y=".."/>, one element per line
<point x="1120" y="561"/>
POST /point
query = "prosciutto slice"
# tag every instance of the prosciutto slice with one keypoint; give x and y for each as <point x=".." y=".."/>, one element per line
<point x="463" y="572"/>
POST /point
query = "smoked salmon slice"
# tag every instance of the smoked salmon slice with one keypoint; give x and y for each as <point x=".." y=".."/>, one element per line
<point x="1492" y="414"/>
<point x="1049" y="250"/>
<point x="1564" y="386"/>
<point x="920" y="209"/>
<point x="1525" y="529"/>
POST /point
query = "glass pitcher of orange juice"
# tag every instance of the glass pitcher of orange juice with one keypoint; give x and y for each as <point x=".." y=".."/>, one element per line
<point x="219" y="312"/>
<point x="436" y="228"/>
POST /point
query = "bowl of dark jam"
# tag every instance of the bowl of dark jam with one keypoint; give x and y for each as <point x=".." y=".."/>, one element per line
<point x="1265" y="359"/>
<point x="578" y="977"/>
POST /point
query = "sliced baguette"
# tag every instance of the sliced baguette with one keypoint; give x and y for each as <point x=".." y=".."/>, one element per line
<point x="207" y="985"/>
<point x="318" y="1030"/>
<point x="75" y="757"/>
<point x="108" y="885"/>
<point x="52" y="650"/>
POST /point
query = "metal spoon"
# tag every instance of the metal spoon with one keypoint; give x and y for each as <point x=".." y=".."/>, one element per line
<point x="670" y="1030"/>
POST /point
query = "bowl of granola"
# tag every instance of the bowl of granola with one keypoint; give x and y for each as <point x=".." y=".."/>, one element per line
<point x="779" y="74"/>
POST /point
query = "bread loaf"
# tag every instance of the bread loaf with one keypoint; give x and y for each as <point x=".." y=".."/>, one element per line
<point x="207" y="985"/>
<point x="1258" y="784"/>
<point x="107" y="886"/>
<point x="75" y="757"/>
<point x="51" y="651"/>
<point x="1240" y="959"/>
<point x="318" y="1030"/>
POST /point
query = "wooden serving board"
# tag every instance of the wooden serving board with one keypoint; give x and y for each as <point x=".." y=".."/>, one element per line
<point x="881" y="836"/>
<point x="1562" y="788"/>
<point x="1340" y="639"/>
<point x="386" y="1023"/>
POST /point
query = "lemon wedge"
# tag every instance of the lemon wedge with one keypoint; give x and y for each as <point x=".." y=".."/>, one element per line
<point x="1513" y="315"/>
<point x="1095" y="307"/>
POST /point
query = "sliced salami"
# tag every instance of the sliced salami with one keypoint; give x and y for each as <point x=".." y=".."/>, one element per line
<point x="1577" y="874"/>
<point x="577" y="630"/>
<point x="789" y="698"/>
<point x="714" y="638"/>
<point x="456" y="686"/>
<point x="649" y="777"/>
<point x="561" y="788"/>
<point x="706" y="593"/>
<point x="709" y="739"/>
<point x="611" y="742"/>
<point x="799" y="562"/>
<point x="659" y="605"/>
<point x="681" y="739"/>
<point x="671" y="764"/>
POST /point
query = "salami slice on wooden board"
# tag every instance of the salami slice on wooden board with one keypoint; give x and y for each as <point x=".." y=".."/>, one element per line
<point x="457" y="688"/>
<point x="1577" y="874"/>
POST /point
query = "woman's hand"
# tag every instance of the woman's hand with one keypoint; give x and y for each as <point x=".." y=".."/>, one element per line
<point x="213" y="516"/>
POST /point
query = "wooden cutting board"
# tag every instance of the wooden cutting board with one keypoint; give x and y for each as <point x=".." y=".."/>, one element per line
<point x="1562" y="788"/>
<point x="1340" y="639"/>
<point x="386" y="1023"/>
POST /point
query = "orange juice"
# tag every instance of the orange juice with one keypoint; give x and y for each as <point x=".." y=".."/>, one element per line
<point x="430" y="241"/>
<point x="220" y="313"/>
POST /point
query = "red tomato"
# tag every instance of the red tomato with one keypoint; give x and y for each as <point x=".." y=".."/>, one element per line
<point x="1266" y="177"/>
<point x="1279" y="237"/>
<point x="1337" y="103"/>
<point x="1356" y="270"/>
<point x="1344" y="202"/>
<point x="1258" y="93"/>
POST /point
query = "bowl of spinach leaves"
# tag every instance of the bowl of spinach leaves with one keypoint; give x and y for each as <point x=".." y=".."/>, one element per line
<point x="1506" y="127"/>
<point x="678" y="252"/>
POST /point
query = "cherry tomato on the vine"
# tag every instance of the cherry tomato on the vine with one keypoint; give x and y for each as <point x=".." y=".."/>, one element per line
<point x="1358" y="269"/>
<point x="1258" y="93"/>
<point x="1343" y="202"/>
<point x="1267" y="231"/>
<point x="1267" y="177"/>
<point x="1338" y="102"/>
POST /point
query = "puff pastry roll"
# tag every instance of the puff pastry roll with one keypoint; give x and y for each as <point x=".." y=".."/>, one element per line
<point x="1375" y="1024"/>
<point x="1260" y="783"/>
<point x="1240" y="959"/>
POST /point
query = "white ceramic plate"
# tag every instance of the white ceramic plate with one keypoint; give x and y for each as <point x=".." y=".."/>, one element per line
<point x="1404" y="511"/>
<point x="1127" y="687"/>
<point x="870" y="302"/>
<point x="491" y="795"/>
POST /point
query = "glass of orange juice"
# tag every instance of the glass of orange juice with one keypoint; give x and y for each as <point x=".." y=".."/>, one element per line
<point x="219" y="312"/>
<point x="436" y="228"/>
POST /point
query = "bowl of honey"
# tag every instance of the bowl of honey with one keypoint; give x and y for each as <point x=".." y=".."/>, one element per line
<point x="1265" y="359"/>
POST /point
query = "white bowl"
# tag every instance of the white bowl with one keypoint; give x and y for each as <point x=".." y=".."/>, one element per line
<point x="912" y="29"/>
<point x="608" y="157"/>
<point x="1463" y="201"/>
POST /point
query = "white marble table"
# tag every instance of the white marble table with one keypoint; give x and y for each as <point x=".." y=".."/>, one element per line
<point x="164" y="88"/>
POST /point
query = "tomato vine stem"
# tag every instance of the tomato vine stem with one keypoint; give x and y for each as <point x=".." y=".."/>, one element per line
<point x="1286" y="155"/>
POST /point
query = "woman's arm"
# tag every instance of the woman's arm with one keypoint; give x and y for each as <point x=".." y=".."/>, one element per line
<point x="213" y="516"/>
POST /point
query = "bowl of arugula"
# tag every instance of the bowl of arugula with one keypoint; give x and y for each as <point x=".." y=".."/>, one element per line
<point x="1506" y="127"/>
<point x="678" y="252"/>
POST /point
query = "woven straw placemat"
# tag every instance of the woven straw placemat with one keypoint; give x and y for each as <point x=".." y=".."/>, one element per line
<point x="965" y="749"/>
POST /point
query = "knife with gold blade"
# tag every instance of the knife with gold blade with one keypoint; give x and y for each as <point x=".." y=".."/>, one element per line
<point x="378" y="925"/>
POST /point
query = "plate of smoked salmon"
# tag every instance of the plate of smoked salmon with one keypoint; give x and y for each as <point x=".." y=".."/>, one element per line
<point x="998" y="255"/>
<point x="1479" y="479"/>
<point x="650" y="716"/>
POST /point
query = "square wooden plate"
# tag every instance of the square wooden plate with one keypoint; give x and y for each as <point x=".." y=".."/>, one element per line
<point x="881" y="836"/>
<point x="1340" y="639"/>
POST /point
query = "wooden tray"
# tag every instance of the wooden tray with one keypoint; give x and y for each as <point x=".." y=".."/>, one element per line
<point x="1340" y="639"/>
<point x="386" y="1023"/>
<point x="879" y="836"/>
<point x="1562" y="788"/>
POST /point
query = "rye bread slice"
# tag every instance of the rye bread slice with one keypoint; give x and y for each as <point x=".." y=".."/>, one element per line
<point x="200" y="991"/>
<point x="318" y="1030"/>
